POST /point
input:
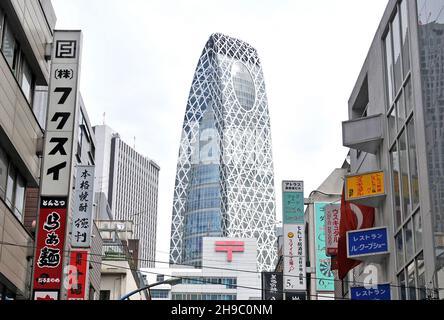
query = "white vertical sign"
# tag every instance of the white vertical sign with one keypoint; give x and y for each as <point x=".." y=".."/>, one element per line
<point x="61" y="116"/>
<point x="82" y="212"/>
<point x="294" y="258"/>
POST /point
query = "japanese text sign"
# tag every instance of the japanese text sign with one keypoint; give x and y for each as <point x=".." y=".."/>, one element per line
<point x="332" y="219"/>
<point x="364" y="185"/>
<point x="293" y="202"/>
<point x="294" y="257"/>
<point x="381" y="292"/>
<point x="367" y="242"/>
<point x="82" y="212"/>
<point x="272" y="286"/>
<point x="77" y="275"/>
<point x="48" y="265"/>
<point x="61" y="114"/>
<point x="324" y="275"/>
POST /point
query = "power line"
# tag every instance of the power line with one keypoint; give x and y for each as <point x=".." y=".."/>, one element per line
<point x="236" y="270"/>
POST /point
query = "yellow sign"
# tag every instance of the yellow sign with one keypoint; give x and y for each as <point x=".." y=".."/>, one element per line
<point x="365" y="185"/>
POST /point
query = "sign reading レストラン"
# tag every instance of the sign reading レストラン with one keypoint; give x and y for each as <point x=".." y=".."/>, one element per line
<point x="381" y="292"/>
<point x="365" y="185"/>
<point x="367" y="242"/>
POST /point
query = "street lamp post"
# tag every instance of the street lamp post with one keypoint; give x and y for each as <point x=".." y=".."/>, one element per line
<point x="169" y="281"/>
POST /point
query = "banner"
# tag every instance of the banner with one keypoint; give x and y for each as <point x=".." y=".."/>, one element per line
<point x="324" y="275"/>
<point x="332" y="218"/>
<point x="77" y="275"/>
<point x="294" y="258"/>
<point x="82" y="212"/>
<point x="272" y="286"/>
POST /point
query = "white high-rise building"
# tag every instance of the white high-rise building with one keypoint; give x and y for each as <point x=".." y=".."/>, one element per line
<point x="130" y="182"/>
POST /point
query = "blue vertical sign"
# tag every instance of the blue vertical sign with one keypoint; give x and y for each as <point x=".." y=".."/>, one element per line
<point x="324" y="275"/>
<point x="381" y="292"/>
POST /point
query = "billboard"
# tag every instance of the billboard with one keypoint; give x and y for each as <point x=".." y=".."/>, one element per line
<point x="367" y="242"/>
<point x="272" y="286"/>
<point x="364" y="185"/>
<point x="82" y="212"/>
<point x="77" y="275"/>
<point x="332" y="219"/>
<point x="293" y="202"/>
<point x="48" y="264"/>
<point x="324" y="275"/>
<point x="294" y="257"/>
<point x="381" y="292"/>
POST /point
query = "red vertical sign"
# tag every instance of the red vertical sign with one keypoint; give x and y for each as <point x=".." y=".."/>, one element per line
<point x="78" y="262"/>
<point x="48" y="265"/>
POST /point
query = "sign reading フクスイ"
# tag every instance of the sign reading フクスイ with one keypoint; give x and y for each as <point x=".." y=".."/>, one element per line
<point x="324" y="275"/>
<point x="56" y="179"/>
<point x="82" y="212"/>
<point x="294" y="258"/>
<point x="367" y="242"/>
<point x="293" y="202"/>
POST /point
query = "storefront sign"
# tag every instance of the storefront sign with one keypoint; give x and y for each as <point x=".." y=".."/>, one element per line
<point x="332" y="218"/>
<point x="324" y="275"/>
<point x="272" y="286"/>
<point x="367" y="242"/>
<point x="82" y="212"/>
<point x="77" y="275"/>
<point x="293" y="202"/>
<point x="229" y="247"/>
<point x="381" y="292"/>
<point x="365" y="185"/>
<point x="295" y="296"/>
<point x="294" y="258"/>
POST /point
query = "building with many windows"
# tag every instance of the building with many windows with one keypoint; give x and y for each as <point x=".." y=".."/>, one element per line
<point x="224" y="182"/>
<point x="129" y="181"/>
<point x="396" y="122"/>
<point x="26" y="27"/>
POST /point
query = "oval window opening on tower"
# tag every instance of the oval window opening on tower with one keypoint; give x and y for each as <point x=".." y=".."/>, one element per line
<point x="243" y="85"/>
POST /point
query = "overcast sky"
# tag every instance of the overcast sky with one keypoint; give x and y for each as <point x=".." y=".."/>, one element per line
<point x="139" y="58"/>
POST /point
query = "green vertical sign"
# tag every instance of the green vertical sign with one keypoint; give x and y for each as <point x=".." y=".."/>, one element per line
<point x="293" y="202"/>
<point x="324" y="276"/>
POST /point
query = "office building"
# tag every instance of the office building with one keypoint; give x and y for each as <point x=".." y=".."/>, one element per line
<point x="224" y="182"/>
<point x="396" y="114"/>
<point x="130" y="183"/>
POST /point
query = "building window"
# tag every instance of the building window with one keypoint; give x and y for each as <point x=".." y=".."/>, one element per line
<point x="159" y="293"/>
<point x="3" y="173"/>
<point x="9" y="47"/>
<point x="105" y="295"/>
<point x="27" y="81"/>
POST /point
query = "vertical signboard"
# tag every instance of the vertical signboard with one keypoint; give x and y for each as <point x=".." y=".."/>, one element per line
<point x="82" y="212"/>
<point x="324" y="275"/>
<point x="55" y="183"/>
<point x="77" y="275"/>
<point x="48" y="265"/>
<point x="293" y="202"/>
<point x="332" y="218"/>
<point x="294" y="258"/>
<point x="272" y="286"/>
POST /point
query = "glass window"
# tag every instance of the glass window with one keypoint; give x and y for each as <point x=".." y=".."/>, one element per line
<point x="408" y="236"/>
<point x="3" y="173"/>
<point x="399" y="250"/>
<point x="27" y="81"/>
<point x="417" y="224"/>
<point x="411" y="281"/>
<point x="413" y="163"/>
<point x="10" y="187"/>
<point x="19" y="197"/>
<point x="9" y="46"/>
<point x="422" y="294"/>
<point x="397" y="52"/>
<point x="389" y="66"/>
<point x="392" y="125"/>
<point x="401" y="111"/>
<point x="404" y="174"/>
<point x="397" y="193"/>
<point x="402" y="285"/>
<point x="405" y="38"/>
<point x="2" y="16"/>
<point x="408" y="93"/>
